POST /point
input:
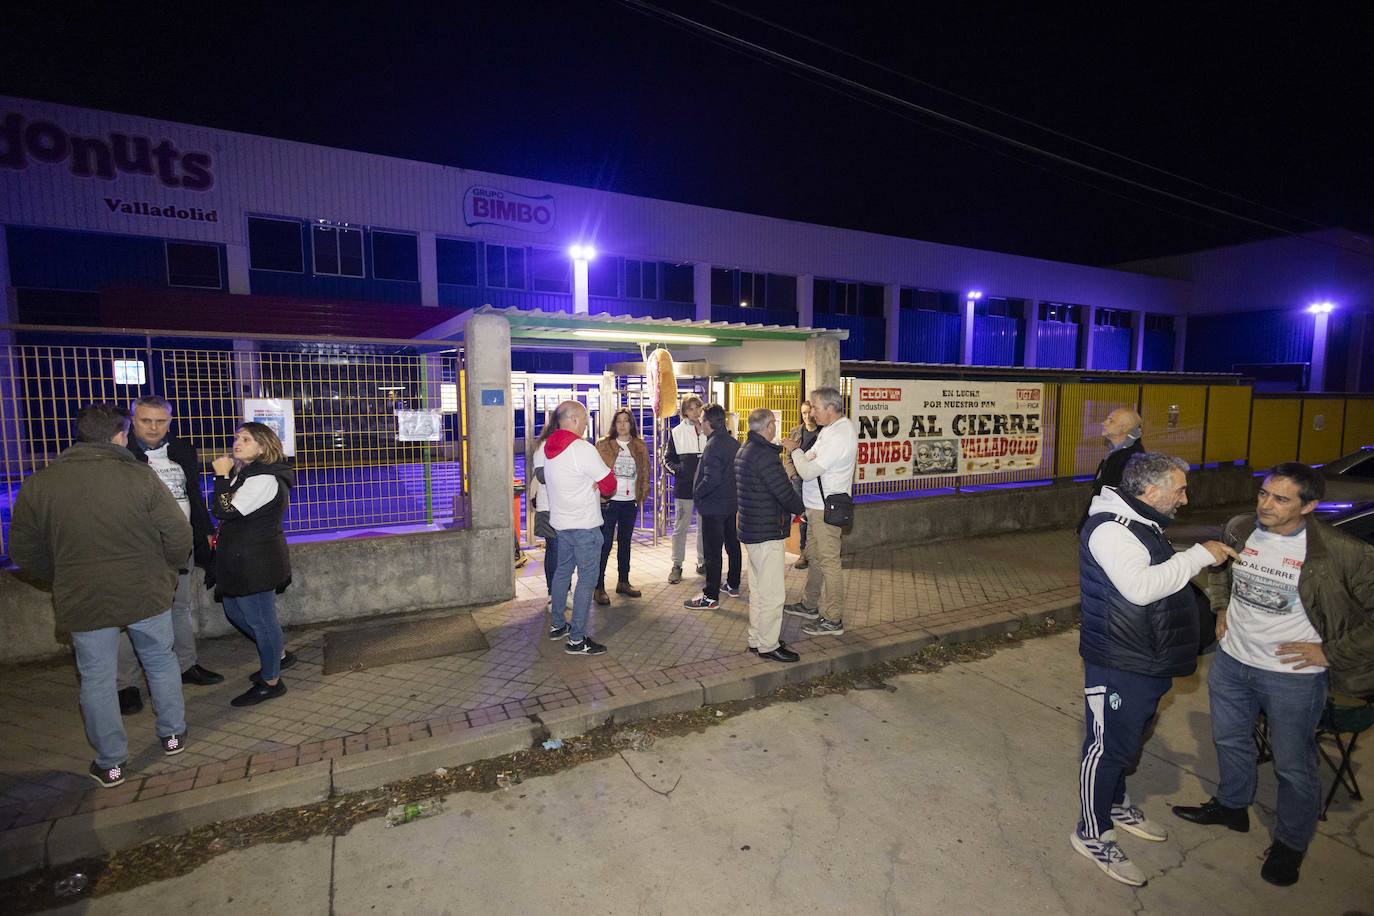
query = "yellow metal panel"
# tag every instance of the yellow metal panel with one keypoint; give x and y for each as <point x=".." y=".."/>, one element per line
<point x="1322" y="422"/>
<point x="1082" y="408"/>
<point x="1173" y="417"/>
<point x="1359" y="424"/>
<point x="1228" y="423"/>
<point x="783" y="397"/>
<point x="1274" y="431"/>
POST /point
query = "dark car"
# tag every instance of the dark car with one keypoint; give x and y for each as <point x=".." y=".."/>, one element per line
<point x="1357" y="521"/>
<point x="1349" y="480"/>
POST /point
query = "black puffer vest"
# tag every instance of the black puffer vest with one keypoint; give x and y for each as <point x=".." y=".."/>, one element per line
<point x="250" y="553"/>
<point x="1156" y="640"/>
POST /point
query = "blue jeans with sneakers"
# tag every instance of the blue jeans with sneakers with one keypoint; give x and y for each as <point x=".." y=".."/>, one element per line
<point x="578" y="548"/>
<point x="97" y="658"/>
<point x="1292" y="705"/>
<point x="1118" y="707"/>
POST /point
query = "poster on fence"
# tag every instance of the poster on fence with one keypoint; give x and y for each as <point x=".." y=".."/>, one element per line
<point x="278" y="414"/>
<point x="946" y="428"/>
<point x="419" y="426"/>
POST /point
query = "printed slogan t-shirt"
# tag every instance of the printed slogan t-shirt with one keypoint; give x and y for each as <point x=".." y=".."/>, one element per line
<point x="1265" y="610"/>
<point x="625" y="473"/>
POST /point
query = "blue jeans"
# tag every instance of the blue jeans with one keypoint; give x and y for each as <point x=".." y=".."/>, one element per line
<point x="256" y="617"/>
<point x="550" y="563"/>
<point x="1118" y="707"/>
<point x="97" y="654"/>
<point x="1292" y="705"/>
<point x="580" y="548"/>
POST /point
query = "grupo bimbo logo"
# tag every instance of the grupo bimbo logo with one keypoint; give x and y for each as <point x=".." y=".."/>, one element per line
<point x="492" y="206"/>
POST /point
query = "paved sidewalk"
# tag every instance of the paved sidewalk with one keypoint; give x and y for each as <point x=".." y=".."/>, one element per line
<point x="652" y="641"/>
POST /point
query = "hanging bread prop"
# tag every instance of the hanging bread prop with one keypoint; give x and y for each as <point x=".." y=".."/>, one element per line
<point x="662" y="383"/>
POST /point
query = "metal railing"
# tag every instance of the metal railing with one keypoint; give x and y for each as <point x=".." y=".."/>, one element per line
<point x="352" y="471"/>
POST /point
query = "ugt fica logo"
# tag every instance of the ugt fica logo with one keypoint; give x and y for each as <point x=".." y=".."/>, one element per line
<point x="101" y="157"/>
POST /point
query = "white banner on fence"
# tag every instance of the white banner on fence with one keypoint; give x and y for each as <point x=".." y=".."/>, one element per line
<point x="277" y="414"/>
<point x="941" y="428"/>
<point x="419" y="426"/>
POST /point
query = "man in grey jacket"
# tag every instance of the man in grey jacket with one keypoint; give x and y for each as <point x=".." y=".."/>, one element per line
<point x="101" y="527"/>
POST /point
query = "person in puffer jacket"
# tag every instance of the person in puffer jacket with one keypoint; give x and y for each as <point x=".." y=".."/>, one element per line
<point x="1139" y="631"/>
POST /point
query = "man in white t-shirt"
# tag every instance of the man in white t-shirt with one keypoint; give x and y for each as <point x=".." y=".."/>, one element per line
<point x="826" y="469"/>
<point x="178" y="467"/>
<point x="1294" y="609"/>
<point x="576" y="480"/>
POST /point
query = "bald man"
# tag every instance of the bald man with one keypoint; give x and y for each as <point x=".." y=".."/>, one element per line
<point x="1121" y="429"/>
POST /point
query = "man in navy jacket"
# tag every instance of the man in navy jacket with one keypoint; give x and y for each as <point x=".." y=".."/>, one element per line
<point x="1139" y="631"/>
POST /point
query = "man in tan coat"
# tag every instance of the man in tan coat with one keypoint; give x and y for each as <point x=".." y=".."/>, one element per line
<point x="104" y="530"/>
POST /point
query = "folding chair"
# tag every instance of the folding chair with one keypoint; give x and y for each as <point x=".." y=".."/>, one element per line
<point x="1339" y="720"/>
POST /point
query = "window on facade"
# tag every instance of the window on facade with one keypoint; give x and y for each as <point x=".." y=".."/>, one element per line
<point x="781" y="292"/>
<point x="456" y="260"/>
<point x="1000" y="307"/>
<point x="1159" y="322"/>
<point x="338" y="250"/>
<point x="395" y="256"/>
<point x="724" y="286"/>
<point x="193" y="265"/>
<point x="275" y="244"/>
<point x="1058" y="311"/>
<point x="550" y="271"/>
<point x="677" y="282"/>
<point x="641" y="279"/>
<point x="1112" y="318"/>
<point x="505" y="266"/>
<point x="603" y="277"/>
<point x="844" y="297"/>
<point x="929" y="300"/>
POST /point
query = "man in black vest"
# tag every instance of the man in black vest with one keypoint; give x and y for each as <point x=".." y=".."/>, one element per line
<point x="1139" y="631"/>
<point x="1121" y="429"/>
<point x="178" y="467"/>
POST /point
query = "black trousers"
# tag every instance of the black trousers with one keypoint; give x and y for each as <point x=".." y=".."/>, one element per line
<point x="618" y="524"/>
<point x="718" y="531"/>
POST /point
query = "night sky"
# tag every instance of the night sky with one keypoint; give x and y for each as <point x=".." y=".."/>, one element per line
<point x="1269" y="102"/>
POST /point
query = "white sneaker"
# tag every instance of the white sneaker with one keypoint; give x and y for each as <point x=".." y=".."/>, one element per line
<point x="1132" y="820"/>
<point x="1109" y="857"/>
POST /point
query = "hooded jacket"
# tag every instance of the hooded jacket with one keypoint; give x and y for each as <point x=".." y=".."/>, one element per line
<point x="250" y="552"/>
<point x="714" y="488"/>
<point x="184" y="454"/>
<point x="1336" y="585"/>
<point x="1138" y="612"/>
<point x="105" y="531"/>
<point x="767" y="499"/>
<point x="685" y="445"/>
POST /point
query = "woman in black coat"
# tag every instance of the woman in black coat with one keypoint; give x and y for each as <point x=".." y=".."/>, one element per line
<point x="252" y="491"/>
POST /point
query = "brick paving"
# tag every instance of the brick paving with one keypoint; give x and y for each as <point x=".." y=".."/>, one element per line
<point x="652" y="641"/>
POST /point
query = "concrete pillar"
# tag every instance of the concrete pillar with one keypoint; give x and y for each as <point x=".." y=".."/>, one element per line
<point x="1359" y="322"/>
<point x="821" y="365"/>
<point x="1030" y="333"/>
<point x="581" y="300"/>
<point x="491" y="462"/>
<point x="1180" y="341"/>
<point x="236" y="260"/>
<point x="966" y="331"/>
<point x="429" y="270"/>
<point x="1317" y="379"/>
<point x="701" y="290"/>
<point x="1137" y="362"/>
<point x="1088" y="315"/>
<point x="806" y="293"/>
<point x="892" y="315"/>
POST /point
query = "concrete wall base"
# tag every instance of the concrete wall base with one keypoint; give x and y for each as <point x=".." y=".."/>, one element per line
<point x="353" y="579"/>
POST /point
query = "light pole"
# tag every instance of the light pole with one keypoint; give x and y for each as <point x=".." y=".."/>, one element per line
<point x="970" y="304"/>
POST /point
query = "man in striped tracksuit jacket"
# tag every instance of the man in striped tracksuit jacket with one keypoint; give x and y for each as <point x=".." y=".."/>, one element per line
<point x="1139" y="631"/>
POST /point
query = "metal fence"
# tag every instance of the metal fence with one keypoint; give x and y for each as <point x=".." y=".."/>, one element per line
<point x="351" y="470"/>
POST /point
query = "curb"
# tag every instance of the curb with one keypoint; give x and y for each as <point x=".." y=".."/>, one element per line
<point x="94" y="833"/>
